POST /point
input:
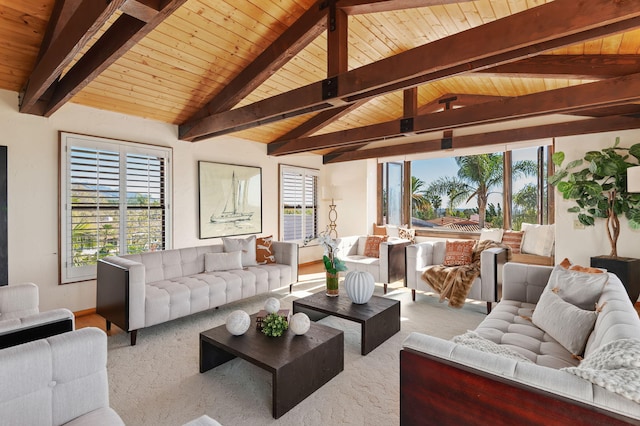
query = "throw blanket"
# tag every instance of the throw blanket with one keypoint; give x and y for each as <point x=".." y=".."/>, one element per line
<point x="615" y="367"/>
<point x="454" y="282"/>
<point x="479" y="343"/>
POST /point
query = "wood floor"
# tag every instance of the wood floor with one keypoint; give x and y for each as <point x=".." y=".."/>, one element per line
<point x="95" y="320"/>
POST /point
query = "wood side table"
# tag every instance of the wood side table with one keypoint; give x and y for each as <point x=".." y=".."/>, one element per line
<point x="626" y="268"/>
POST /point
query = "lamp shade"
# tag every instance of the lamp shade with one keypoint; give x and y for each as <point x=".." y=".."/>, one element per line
<point x="633" y="179"/>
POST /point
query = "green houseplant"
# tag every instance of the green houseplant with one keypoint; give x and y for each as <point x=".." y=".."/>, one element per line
<point x="598" y="185"/>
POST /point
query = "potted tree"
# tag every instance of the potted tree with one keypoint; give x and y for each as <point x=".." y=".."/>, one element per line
<point x="598" y="185"/>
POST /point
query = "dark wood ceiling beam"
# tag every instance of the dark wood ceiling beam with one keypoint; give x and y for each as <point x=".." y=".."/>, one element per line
<point x="569" y="99"/>
<point x="121" y="36"/>
<point x="596" y="125"/>
<point x="144" y="10"/>
<point x="87" y="19"/>
<point x="295" y="38"/>
<point x="462" y="100"/>
<point x="514" y="37"/>
<point x="358" y="7"/>
<point x="570" y="66"/>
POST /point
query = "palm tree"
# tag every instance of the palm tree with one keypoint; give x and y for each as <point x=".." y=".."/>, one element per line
<point x="419" y="200"/>
<point x="478" y="176"/>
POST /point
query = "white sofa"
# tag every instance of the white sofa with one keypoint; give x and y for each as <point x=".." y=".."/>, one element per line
<point x="21" y="320"/>
<point x="487" y="388"/>
<point x="60" y="380"/>
<point x="386" y="268"/>
<point x="423" y="255"/>
<point x="141" y="290"/>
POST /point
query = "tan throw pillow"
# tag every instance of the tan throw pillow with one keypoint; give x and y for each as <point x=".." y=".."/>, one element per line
<point x="582" y="289"/>
<point x="379" y="230"/>
<point x="264" y="254"/>
<point x="407" y="234"/>
<point x="513" y="239"/>
<point x="372" y="245"/>
<point x="566" y="323"/>
<point x="458" y="253"/>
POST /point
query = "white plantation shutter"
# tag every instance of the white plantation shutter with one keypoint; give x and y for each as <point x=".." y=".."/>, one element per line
<point x="298" y="203"/>
<point x="113" y="201"/>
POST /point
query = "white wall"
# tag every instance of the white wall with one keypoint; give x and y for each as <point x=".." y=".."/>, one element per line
<point x="33" y="187"/>
<point x="580" y="244"/>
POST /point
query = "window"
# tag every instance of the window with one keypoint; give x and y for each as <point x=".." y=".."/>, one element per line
<point x="392" y="194"/>
<point x="298" y="203"/>
<point x="468" y="193"/>
<point x="113" y="201"/>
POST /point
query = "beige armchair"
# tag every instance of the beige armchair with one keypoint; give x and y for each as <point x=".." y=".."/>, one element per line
<point x="21" y="320"/>
<point x="387" y="267"/>
<point x="421" y="256"/>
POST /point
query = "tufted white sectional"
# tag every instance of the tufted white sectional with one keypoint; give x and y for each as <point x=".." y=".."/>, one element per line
<point x="140" y="290"/>
<point x="519" y="392"/>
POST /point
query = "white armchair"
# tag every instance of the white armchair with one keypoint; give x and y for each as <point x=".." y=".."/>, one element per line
<point x="423" y="255"/>
<point x="21" y="320"/>
<point x="388" y="267"/>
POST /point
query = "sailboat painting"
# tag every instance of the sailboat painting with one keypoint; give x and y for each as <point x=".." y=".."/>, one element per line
<point x="230" y="199"/>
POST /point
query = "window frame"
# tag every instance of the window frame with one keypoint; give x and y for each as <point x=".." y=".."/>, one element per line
<point x="123" y="150"/>
<point x="304" y="172"/>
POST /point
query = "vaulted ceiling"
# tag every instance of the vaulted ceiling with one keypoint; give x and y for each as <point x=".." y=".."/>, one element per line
<point x="348" y="79"/>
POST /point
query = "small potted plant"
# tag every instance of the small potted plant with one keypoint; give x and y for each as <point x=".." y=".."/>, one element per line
<point x="274" y="325"/>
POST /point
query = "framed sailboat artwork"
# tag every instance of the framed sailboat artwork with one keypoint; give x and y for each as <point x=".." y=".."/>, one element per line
<point x="230" y="201"/>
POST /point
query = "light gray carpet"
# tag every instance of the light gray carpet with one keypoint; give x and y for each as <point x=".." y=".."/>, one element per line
<point x="157" y="382"/>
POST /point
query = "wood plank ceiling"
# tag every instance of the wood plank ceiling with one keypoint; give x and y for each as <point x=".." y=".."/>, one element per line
<point x="411" y="73"/>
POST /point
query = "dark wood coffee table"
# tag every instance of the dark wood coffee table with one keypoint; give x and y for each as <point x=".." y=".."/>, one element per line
<point x="299" y="365"/>
<point x="379" y="318"/>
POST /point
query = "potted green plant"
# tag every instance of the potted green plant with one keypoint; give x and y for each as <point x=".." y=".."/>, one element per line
<point x="598" y="185"/>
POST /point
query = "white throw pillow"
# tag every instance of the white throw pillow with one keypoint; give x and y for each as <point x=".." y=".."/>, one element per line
<point x="222" y="261"/>
<point x="393" y="231"/>
<point x="582" y="289"/>
<point x="493" y="234"/>
<point x="568" y="324"/>
<point x="246" y="245"/>
<point x="538" y="239"/>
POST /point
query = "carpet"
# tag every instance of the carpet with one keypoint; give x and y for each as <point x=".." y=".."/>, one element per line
<point x="157" y="382"/>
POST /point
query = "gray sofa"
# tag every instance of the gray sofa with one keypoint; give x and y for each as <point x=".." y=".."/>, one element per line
<point x="61" y="380"/>
<point x="141" y="290"/>
<point x="22" y="321"/>
<point x="452" y="383"/>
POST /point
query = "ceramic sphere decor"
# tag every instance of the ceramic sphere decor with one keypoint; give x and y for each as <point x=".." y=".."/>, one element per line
<point x="360" y="286"/>
<point x="238" y="322"/>
<point x="299" y="323"/>
<point x="272" y="305"/>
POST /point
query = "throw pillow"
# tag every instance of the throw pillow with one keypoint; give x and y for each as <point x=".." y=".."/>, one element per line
<point x="392" y="231"/>
<point x="566" y="323"/>
<point x="372" y="245"/>
<point x="538" y="239"/>
<point x="566" y="263"/>
<point x="582" y="289"/>
<point x="379" y="230"/>
<point x="513" y="239"/>
<point x="246" y="245"/>
<point x="493" y="234"/>
<point x="407" y="234"/>
<point x="264" y="254"/>
<point x="222" y="261"/>
<point x="458" y="253"/>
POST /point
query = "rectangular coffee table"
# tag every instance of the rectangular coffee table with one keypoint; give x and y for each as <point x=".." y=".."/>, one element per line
<point x="299" y="365"/>
<point x="379" y="317"/>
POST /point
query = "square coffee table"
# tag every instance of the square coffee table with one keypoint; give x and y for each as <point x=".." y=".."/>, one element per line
<point x="379" y="317"/>
<point x="299" y="365"/>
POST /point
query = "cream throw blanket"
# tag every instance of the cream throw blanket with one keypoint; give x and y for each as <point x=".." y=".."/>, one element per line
<point x="614" y="366"/>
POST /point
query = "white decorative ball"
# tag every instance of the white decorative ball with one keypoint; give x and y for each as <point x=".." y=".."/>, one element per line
<point x="238" y="322"/>
<point x="272" y="305"/>
<point x="299" y="323"/>
<point x="359" y="286"/>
